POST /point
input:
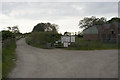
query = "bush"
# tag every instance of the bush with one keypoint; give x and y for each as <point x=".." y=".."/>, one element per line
<point x="7" y="52"/>
<point x="40" y="39"/>
<point x="0" y="36"/>
<point x="7" y="35"/>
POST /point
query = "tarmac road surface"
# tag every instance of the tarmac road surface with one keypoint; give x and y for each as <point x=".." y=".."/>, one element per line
<point x="57" y="63"/>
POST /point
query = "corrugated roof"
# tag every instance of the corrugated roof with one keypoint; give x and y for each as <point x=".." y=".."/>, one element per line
<point x="91" y="30"/>
<point x="94" y="29"/>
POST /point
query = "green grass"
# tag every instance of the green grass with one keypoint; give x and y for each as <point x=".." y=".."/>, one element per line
<point x="8" y="58"/>
<point x="0" y="61"/>
<point x="82" y="44"/>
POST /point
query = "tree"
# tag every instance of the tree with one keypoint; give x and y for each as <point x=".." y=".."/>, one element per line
<point x="7" y="35"/>
<point x="89" y="22"/>
<point x="9" y="28"/>
<point x="115" y="19"/>
<point x="45" y="27"/>
<point x="14" y="29"/>
<point x="67" y="33"/>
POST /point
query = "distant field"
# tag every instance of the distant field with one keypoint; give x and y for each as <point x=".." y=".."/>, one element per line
<point x="82" y="44"/>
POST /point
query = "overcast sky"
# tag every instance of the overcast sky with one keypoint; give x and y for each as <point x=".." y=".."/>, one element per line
<point x="66" y="14"/>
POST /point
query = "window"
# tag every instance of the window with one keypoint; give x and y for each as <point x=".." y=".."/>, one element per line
<point x="112" y="32"/>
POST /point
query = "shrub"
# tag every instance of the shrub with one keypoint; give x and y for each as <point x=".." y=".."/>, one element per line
<point x="40" y="39"/>
<point x="7" y="35"/>
<point x="7" y="52"/>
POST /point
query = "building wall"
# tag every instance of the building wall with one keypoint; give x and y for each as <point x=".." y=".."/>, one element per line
<point x="105" y="34"/>
<point x="91" y="37"/>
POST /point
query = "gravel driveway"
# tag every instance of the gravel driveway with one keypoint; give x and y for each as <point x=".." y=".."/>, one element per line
<point x="57" y="63"/>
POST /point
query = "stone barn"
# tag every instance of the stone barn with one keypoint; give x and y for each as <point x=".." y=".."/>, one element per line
<point x="103" y="33"/>
<point x="91" y="33"/>
<point x="109" y="32"/>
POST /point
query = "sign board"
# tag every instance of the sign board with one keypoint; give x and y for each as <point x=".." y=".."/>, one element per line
<point x="65" y="39"/>
<point x="72" y="38"/>
<point x="65" y="44"/>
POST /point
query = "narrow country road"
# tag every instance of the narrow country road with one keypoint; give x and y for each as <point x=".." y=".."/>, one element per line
<point x="57" y="63"/>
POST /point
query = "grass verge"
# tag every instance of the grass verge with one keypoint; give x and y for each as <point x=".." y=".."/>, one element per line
<point x="8" y="57"/>
<point x="82" y="44"/>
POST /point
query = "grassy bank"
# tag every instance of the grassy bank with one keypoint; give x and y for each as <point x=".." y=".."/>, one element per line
<point x="82" y="44"/>
<point x="0" y="55"/>
<point x="0" y="61"/>
<point x="40" y="39"/>
<point x="8" y="56"/>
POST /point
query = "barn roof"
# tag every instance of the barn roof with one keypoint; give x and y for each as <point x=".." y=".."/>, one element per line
<point x="91" y="30"/>
<point x="94" y="29"/>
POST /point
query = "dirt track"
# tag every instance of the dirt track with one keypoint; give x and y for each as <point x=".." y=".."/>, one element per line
<point x="57" y="63"/>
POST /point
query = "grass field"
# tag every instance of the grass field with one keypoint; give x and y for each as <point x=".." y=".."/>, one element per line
<point x="82" y="44"/>
<point x="8" y="57"/>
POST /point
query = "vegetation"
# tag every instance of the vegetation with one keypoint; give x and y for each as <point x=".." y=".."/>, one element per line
<point x="67" y="33"/>
<point x="89" y="22"/>
<point x="45" y="27"/>
<point x="40" y="39"/>
<point x="14" y="29"/>
<point x="115" y="19"/>
<point x="82" y="44"/>
<point x="42" y="34"/>
<point x="8" y="56"/>
<point x="0" y="36"/>
<point x="8" y="52"/>
<point x="0" y="56"/>
<point x="7" y="35"/>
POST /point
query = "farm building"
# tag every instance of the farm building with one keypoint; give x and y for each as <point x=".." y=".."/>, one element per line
<point x="104" y="33"/>
<point x="91" y="33"/>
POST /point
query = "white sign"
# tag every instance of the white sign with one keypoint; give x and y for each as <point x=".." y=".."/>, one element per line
<point x="65" y="44"/>
<point x="65" y="39"/>
<point x="72" y="38"/>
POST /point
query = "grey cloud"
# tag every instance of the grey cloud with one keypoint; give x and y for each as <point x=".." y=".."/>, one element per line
<point x="60" y="0"/>
<point x="36" y="10"/>
<point x="64" y="13"/>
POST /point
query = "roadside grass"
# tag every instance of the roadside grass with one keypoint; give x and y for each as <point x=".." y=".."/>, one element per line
<point x="82" y="44"/>
<point x="0" y="55"/>
<point x="0" y="61"/>
<point x="8" y="57"/>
